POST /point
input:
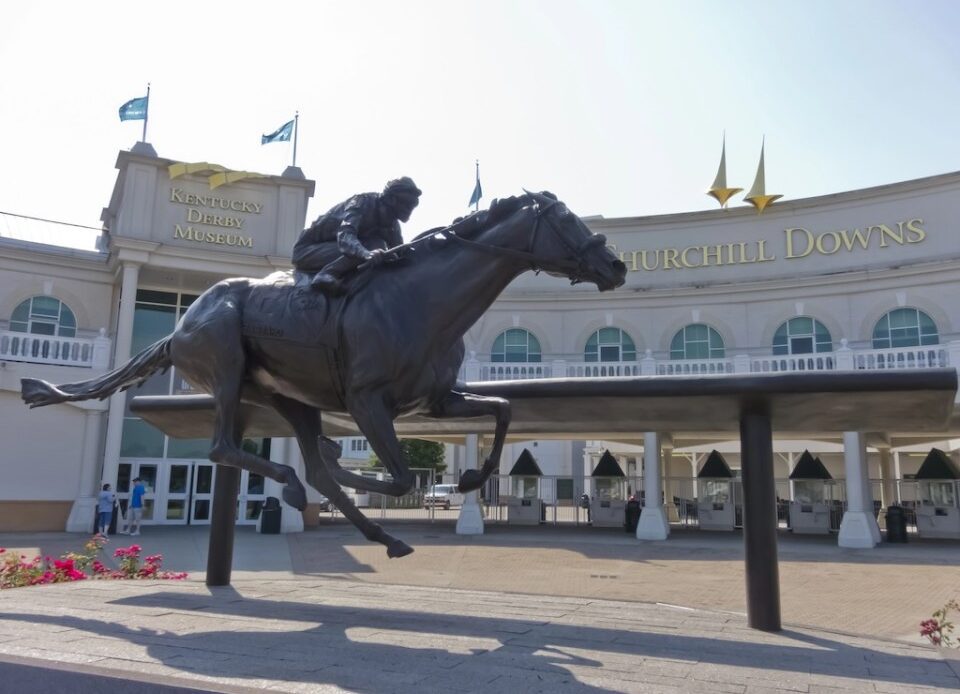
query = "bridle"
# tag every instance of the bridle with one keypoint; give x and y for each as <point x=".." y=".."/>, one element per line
<point x="573" y="265"/>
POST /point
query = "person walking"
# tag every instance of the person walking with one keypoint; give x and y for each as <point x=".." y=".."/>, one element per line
<point x="136" y="505"/>
<point x="105" y="501"/>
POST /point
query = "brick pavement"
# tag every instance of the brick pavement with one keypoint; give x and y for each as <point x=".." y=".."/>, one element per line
<point x="533" y="610"/>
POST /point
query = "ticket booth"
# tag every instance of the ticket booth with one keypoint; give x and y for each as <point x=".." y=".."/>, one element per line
<point x="609" y="502"/>
<point x="716" y="506"/>
<point x="812" y="496"/>
<point x="524" y="506"/>
<point x="938" y="514"/>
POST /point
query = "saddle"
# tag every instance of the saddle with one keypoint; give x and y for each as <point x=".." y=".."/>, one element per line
<point x="283" y="306"/>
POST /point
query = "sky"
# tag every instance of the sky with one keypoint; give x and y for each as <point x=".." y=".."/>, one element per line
<point x="618" y="107"/>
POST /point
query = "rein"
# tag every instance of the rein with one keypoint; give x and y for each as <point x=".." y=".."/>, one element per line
<point x="573" y="266"/>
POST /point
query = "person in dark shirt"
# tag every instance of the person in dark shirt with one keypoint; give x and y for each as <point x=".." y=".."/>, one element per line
<point x="354" y="232"/>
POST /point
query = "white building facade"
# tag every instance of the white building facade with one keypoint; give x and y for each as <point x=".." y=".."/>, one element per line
<point x="854" y="280"/>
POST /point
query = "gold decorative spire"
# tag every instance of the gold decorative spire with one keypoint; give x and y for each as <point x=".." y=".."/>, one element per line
<point x="719" y="188"/>
<point x="757" y="195"/>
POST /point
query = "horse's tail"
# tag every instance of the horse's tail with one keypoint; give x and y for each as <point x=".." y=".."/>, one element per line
<point x="37" y="393"/>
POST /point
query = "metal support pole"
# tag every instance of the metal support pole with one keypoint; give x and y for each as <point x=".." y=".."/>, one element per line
<point x="759" y="520"/>
<point x="223" y="520"/>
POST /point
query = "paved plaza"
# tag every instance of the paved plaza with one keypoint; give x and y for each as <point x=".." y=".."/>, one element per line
<point x="515" y="610"/>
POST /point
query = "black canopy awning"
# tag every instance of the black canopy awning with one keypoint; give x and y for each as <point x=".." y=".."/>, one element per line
<point x="810" y="468"/>
<point x="526" y="466"/>
<point x="715" y="466"/>
<point x="608" y="466"/>
<point x="938" y="466"/>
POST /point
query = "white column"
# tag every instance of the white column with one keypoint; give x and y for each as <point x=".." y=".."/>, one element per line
<point x="470" y="521"/>
<point x="653" y="523"/>
<point x="886" y="473"/>
<point x="859" y="528"/>
<point x="285" y="452"/>
<point x="124" y="338"/>
<point x="82" y="512"/>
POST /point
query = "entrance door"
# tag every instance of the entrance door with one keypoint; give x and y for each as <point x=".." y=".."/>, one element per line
<point x="173" y="493"/>
<point x="149" y="472"/>
<point x="201" y="500"/>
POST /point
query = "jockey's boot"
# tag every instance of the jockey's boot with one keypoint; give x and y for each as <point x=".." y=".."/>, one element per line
<point x="327" y="283"/>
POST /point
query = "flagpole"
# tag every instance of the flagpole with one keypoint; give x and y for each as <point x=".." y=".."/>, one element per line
<point x="296" y="129"/>
<point x="146" y="115"/>
<point x="476" y="205"/>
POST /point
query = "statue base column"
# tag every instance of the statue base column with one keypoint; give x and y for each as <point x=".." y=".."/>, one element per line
<point x="653" y="524"/>
<point x="82" y="515"/>
<point x="470" y="521"/>
<point x="858" y="530"/>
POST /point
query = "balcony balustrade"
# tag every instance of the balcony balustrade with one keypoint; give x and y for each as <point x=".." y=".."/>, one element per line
<point x="842" y="359"/>
<point x="91" y="353"/>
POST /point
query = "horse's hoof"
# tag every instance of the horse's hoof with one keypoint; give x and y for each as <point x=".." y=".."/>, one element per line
<point x="398" y="548"/>
<point x="295" y="496"/>
<point x="470" y="480"/>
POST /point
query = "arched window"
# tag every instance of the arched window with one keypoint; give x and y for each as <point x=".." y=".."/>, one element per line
<point x="802" y="335"/>
<point x="610" y="344"/>
<point x="516" y="345"/>
<point x="697" y="341"/>
<point x="905" y="327"/>
<point x="44" y="315"/>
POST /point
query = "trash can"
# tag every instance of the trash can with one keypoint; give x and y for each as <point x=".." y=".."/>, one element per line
<point x="896" y="524"/>
<point x="270" y="516"/>
<point x="632" y="516"/>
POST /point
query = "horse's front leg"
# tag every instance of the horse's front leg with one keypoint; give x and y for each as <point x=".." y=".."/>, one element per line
<point x="375" y="421"/>
<point x="457" y="404"/>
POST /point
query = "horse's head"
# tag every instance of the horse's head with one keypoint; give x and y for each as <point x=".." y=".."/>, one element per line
<point x="563" y="246"/>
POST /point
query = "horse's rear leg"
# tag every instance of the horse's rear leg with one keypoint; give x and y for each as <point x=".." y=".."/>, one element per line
<point x="305" y="421"/>
<point x="207" y="349"/>
<point x="457" y="404"/>
<point x="227" y="439"/>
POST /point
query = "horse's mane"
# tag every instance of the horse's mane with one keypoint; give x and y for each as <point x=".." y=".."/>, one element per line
<point x="476" y="222"/>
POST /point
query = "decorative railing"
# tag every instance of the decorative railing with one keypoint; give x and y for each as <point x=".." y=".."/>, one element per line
<point x="842" y="359"/>
<point x="60" y="351"/>
<point x="511" y="372"/>
<point x="591" y="369"/>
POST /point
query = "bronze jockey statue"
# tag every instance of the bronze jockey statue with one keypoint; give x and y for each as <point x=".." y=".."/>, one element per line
<point x="357" y="231"/>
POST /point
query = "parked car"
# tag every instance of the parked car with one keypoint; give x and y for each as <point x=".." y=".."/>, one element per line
<point x="443" y="495"/>
<point x="325" y="504"/>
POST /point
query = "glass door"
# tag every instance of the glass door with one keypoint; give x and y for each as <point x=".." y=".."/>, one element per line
<point x="252" y="496"/>
<point x="171" y="504"/>
<point x="201" y="499"/>
<point x="148" y="472"/>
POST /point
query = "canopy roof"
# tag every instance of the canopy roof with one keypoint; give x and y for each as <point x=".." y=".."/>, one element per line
<point x="526" y="466"/>
<point x="810" y="468"/>
<point x="938" y="466"/>
<point x="716" y="466"/>
<point x="608" y="466"/>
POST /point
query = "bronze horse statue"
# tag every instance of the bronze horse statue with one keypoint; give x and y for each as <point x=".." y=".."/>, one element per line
<point x="392" y="346"/>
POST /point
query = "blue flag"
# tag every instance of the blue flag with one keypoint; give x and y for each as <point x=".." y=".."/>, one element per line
<point x="135" y="109"/>
<point x="281" y="134"/>
<point x="477" y="194"/>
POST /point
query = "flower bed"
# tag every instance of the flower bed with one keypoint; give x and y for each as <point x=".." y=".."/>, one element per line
<point x="17" y="571"/>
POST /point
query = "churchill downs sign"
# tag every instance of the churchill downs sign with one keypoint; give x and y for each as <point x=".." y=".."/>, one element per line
<point x="796" y="243"/>
<point x="221" y="220"/>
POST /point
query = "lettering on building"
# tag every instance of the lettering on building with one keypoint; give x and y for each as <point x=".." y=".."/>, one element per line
<point x="188" y="233"/>
<point x="798" y="242"/>
<point x="213" y="211"/>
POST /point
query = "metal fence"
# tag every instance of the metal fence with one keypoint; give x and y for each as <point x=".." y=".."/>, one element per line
<point x="573" y="501"/>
